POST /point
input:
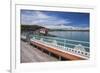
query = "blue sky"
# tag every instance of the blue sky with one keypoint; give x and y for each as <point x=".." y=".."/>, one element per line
<point x="55" y="18"/>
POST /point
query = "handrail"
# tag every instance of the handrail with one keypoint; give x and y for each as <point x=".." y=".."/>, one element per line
<point x="64" y="43"/>
<point x="74" y="51"/>
<point x="54" y="42"/>
<point x="64" y="39"/>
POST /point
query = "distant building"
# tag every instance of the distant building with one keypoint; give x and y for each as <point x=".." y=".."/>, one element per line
<point x="43" y="31"/>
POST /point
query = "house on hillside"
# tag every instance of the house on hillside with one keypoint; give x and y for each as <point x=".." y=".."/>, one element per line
<point x="43" y="31"/>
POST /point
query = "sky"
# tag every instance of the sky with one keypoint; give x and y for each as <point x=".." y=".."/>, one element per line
<point x="54" y="18"/>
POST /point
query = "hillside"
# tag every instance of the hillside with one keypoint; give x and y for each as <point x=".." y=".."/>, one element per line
<point x="30" y="27"/>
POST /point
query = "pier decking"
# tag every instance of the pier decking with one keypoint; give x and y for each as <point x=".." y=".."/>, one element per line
<point x="63" y="49"/>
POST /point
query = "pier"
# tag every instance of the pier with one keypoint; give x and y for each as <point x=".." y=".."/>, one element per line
<point x="54" y="49"/>
<point x="61" y="47"/>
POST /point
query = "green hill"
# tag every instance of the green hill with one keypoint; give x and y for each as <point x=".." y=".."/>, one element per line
<point x="30" y="27"/>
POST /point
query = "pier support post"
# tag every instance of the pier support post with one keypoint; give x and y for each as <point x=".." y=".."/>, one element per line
<point x="49" y="53"/>
<point x="59" y="58"/>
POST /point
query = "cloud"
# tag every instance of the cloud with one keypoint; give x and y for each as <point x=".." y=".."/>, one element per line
<point x="40" y="18"/>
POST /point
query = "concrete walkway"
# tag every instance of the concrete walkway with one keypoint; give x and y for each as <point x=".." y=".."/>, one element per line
<point x="32" y="54"/>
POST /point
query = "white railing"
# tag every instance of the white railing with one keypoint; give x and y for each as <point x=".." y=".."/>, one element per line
<point x="78" y="49"/>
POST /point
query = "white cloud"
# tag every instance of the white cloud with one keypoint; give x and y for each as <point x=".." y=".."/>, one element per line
<point x="39" y="18"/>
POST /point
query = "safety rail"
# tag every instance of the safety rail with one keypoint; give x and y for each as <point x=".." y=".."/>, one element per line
<point x="77" y="49"/>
